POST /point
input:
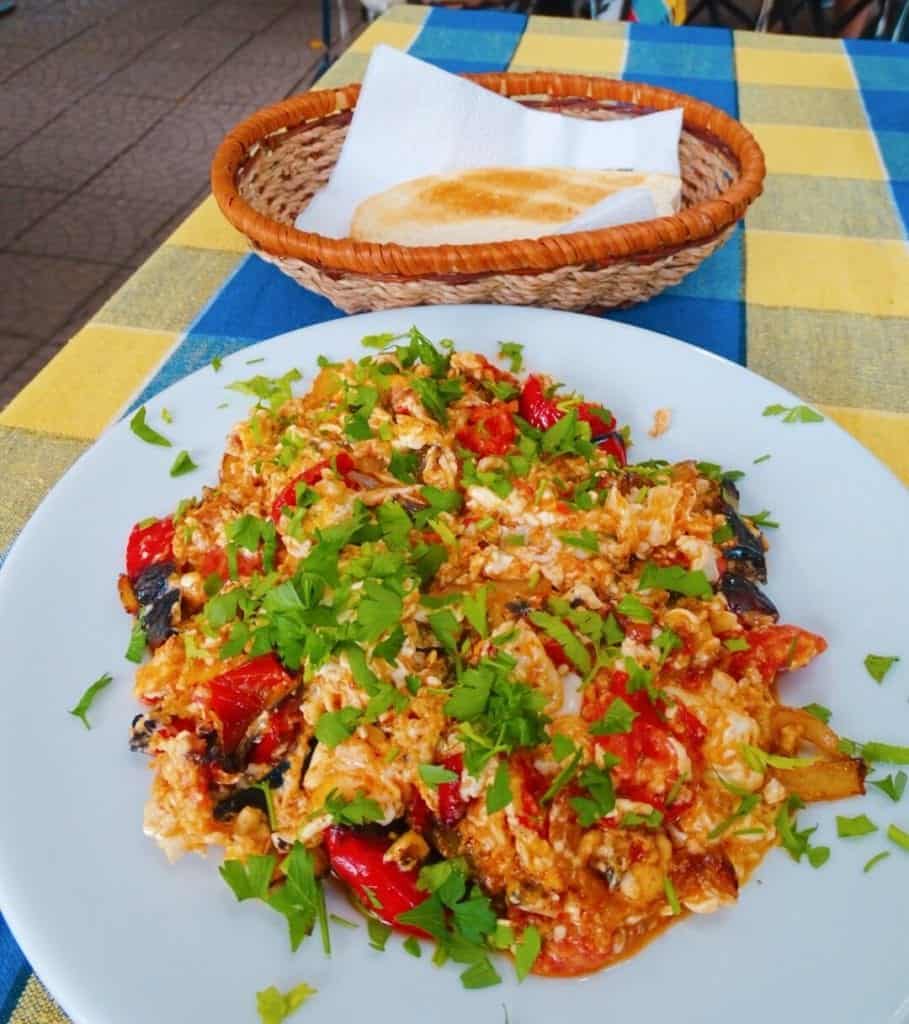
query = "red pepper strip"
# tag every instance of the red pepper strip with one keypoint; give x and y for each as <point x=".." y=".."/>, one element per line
<point x="555" y="651"/>
<point x="541" y="412"/>
<point x="533" y="785"/>
<point x="344" y="464"/>
<point x="489" y="429"/>
<point x="419" y="815"/>
<point x="213" y="561"/>
<point x="452" y="806"/>
<point x="242" y="693"/>
<point x="282" y="726"/>
<point x="383" y="887"/>
<point x="149" y="545"/>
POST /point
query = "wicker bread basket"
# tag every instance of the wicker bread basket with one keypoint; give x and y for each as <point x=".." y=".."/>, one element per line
<point x="269" y="166"/>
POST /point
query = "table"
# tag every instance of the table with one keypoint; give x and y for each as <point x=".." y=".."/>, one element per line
<point x="813" y="290"/>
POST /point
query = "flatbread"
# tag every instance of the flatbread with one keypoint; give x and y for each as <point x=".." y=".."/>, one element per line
<point x="493" y="204"/>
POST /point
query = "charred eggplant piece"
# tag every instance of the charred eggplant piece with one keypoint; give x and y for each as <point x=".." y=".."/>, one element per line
<point x="235" y="802"/>
<point x="231" y="805"/>
<point x="141" y="730"/>
<point x="747" y="551"/>
<point x="156" y="597"/>
<point x="744" y="597"/>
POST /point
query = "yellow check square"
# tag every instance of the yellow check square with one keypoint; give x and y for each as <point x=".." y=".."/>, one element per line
<point x="207" y="228"/>
<point x="600" y="56"/>
<point x="826" y="152"/>
<point x="770" y="67"/>
<point x="854" y="275"/>
<point x="89" y="381"/>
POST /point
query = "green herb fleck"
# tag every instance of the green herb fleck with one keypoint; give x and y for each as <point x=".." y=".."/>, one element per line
<point x="878" y="665"/>
<point x="80" y="711"/>
<point x="182" y="464"/>
<point x="144" y="432"/>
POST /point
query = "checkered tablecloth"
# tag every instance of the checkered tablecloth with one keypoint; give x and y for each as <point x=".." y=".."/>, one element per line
<point x="813" y="291"/>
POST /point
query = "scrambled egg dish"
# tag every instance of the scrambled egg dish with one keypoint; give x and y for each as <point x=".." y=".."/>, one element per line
<point x="431" y="635"/>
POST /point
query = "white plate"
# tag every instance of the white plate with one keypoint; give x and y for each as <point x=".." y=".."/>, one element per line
<point x="120" y="936"/>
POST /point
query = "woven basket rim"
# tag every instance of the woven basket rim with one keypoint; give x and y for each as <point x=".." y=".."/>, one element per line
<point x="692" y="226"/>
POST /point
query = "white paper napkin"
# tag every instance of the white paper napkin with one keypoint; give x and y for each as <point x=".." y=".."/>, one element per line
<point x="413" y="119"/>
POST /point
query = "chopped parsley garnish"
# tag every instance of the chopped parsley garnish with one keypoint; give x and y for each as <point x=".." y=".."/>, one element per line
<point x="299" y="898"/>
<point x="760" y="760"/>
<point x="898" y="836"/>
<point x="568" y="436"/>
<point x="860" y="825"/>
<point x="689" y="583"/>
<point x="633" y="608"/>
<point x="526" y="951"/>
<point x="618" y="718"/>
<point x="146" y="433"/>
<point x="762" y="518"/>
<point x="736" y="643"/>
<point x="446" y="628"/>
<point x="182" y="464"/>
<point x="794" y="414"/>
<point x="336" y="726"/>
<point x="498" y="795"/>
<point x="274" y="1006"/>
<point x="873" y="750"/>
<point x="821" y="713"/>
<point x="270" y="391"/>
<point x="600" y="800"/>
<point x="461" y="923"/>
<point x="587" y="540"/>
<point x="723" y="533"/>
<point x="166" y="415"/>
<point x="760" y="459"/>
<point x="136" y="647"/>
<point x="875" y="860"/>
<point x="796" y="841"/>
<point x="474" y="608"/>
<point x="715" y="472"/>
<point x="403" y="466"/>
<point x="359" y="811"/>
<point x="893" y="785"/>
<point x="412" y="946"/>
<point x="671" y="897"/>
<point x="435" y="774"/>
<point x="437" y="395"/>
<point x="216" y="363"/>
<point x="563" y="747"/>
<point x="80" y="711"/>
<point x="514" y="353"/>
<point x="378" y="934"/>
<point x="747" y="803"/>
<point x="574" y="650"/>
<point x="498" y="715"/>
<point x="652" y="820"/>
<point x="878" y="665"/>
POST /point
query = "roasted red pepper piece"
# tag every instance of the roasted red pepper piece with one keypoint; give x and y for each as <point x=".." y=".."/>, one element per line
<point x="539" y="411"/>
<point x="149" y="545"/>
<point x="542" y="412"/>
<point x="533" y="785"/>
<point x="384" y="888"/>
<point x="419" y="816"/>
<point x="452" y="806"/>
<point x="344" y="464"/>
<point x="489" y="429"/>
<point x="283" y="724"/>
<point x="241" y="694"/>
<point x="555" y="651"/>
<point x="214" y="562"/>
<point x="777" y="648"/>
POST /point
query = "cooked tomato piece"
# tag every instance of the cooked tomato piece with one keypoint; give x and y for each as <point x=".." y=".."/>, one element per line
<point x="533" y="785"/>
<point x="489" y="429"/>
<point x="214" y="561"/>
<point x="774" y="649"/>
<point x="344" y="464"/>
<point x="542" y="412"/>
<point x="241" y="694"/>
<point x="539" y="411"/>
<point x="283" y="725"/>
<point x="452" y="806"/>
<point x="149" y="545"/>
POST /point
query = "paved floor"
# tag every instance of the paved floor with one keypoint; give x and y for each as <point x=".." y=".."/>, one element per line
<point x="109" y="113"/>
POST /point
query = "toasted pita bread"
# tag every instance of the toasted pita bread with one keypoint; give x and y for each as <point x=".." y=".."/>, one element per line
<point x="493" y="204"/>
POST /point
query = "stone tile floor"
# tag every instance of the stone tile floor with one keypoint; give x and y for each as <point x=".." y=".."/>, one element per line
<point x="94" y="95"/>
